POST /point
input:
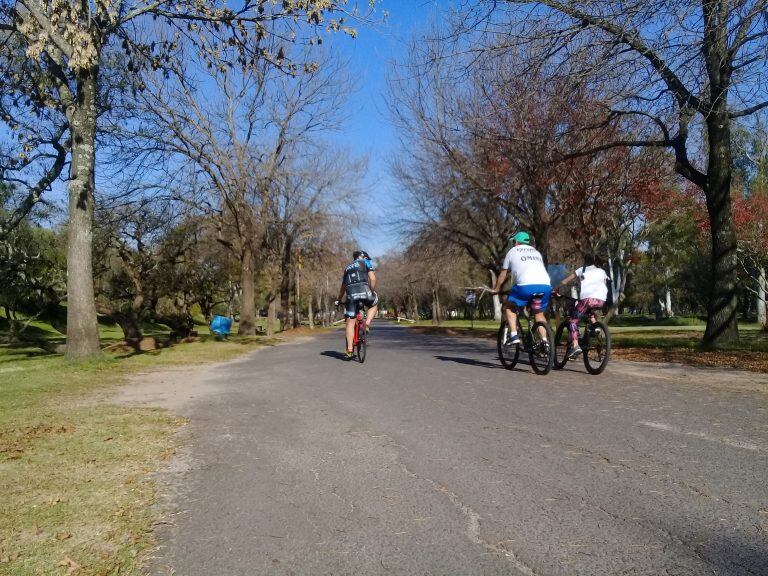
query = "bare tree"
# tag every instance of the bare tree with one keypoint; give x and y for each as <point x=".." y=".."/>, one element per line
<point x="485" y="139"/>
<point x="671" y="67"/>
<point x="313" y="203"/>
<point x="66" y="44"/>
<point x="238" y="131"/>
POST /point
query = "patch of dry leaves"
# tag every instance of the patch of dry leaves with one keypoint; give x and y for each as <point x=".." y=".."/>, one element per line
<point x="742" y="360"/>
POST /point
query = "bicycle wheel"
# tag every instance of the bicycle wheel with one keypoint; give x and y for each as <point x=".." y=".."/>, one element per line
<point x="507" y="354"/>
<point x="541" y="352"/>
<point x="562" y="339"/>
<point x="597" y="348"/>
<point x="361" y="347"/>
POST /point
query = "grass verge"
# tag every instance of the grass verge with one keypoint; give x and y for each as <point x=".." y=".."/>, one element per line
<point x="680" y="344"/>
<point x="75" y="491"/>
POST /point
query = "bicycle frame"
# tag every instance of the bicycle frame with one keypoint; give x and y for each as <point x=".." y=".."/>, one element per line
<point x="359" y="328"/>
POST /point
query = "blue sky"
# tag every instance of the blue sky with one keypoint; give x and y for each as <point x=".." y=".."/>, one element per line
<point x="368" y="130"/>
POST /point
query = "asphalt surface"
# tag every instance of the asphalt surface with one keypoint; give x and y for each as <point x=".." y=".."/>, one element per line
<point x="431" y="459"/>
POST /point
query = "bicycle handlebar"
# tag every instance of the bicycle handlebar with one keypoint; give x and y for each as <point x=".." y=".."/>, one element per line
<point x="565" y="296"/>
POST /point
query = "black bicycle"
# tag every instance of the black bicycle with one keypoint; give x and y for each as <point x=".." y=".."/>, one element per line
<point x="594" y="341"/>
<point x="535" y="339"/>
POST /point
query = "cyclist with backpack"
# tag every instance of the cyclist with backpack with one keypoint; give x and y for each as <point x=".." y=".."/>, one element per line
<point x="358" y="286"/>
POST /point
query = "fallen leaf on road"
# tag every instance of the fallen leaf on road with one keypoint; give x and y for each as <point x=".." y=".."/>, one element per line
<point x="63" y="536"/>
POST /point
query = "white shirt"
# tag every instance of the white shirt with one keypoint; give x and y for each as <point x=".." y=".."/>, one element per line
<point x="526" y="266"/>
<point x="592" y="282"/>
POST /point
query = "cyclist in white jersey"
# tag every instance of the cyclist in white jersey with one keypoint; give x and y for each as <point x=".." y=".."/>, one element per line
<point x="525" y="265"/>
<point x="592" y="296"/>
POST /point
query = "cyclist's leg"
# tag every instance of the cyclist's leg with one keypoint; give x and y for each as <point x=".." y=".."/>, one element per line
<point x="515" y="301"/>
<point x="373" y="310"/>
<point x="573" y="325"/>
<point x="593" y="306"/>
<point x="510" y="313"/>
<point x="349" y="314"/>
<point x="582" y="309"/>
<point x="543" y="304"/>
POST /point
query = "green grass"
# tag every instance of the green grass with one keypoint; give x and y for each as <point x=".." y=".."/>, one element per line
<point x="74" y="481"/>
<point x="638" y="333"/>
<point x="749" y="340"/>
<point x="459" y="323"/>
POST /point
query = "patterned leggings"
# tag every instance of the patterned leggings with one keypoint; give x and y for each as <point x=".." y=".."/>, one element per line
<point x="582" y="308"/>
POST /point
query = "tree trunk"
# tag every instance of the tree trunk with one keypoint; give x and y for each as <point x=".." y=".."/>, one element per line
<point x="497" y="311"/>
<point x="271" y="317"/>
<point x="297" y="298"/>
<point x="82" y="323"/>
<point x="762" y="293"/>
<point x="668" y="312"/>
<point x="285" y="287"/>
<point x="247" y="296"/>
<point x="413" y="308"/>
<point x="206" y="309"/>
<point x="131" y="329"/>
<point x="617" y="272"/>
<point x="311" y="314"/>
<point x="322" y="303"/>
<point x="722" y="326"/>
<point x="437" y="318"/>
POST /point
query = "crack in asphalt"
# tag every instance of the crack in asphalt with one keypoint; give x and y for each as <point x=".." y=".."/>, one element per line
<point x="473" y="523"/>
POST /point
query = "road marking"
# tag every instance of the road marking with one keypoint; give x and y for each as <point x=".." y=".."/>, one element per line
<point x="735" y="443"/>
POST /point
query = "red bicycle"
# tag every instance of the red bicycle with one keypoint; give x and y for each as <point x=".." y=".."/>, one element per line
<point x="358" y="343"/>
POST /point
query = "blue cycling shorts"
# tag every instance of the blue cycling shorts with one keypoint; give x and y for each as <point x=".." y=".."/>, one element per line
<point x="521" y="295"/>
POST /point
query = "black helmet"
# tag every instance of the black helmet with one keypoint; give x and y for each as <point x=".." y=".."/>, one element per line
<point x="357" y="254"/>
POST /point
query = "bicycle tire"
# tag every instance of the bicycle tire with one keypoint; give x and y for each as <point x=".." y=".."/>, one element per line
<point x="510" y="361"/>
<point x="561" y="346"/>
<point x="361" y="345"/>
<point x="603" y="348"/>
<point x="537" y="354"/>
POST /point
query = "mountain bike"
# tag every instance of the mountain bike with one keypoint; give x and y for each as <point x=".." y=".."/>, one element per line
<point x="536" y="340"/>
<point x="594" y="341"/>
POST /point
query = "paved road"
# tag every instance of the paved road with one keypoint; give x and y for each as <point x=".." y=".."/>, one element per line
<point x="431" y="459"/>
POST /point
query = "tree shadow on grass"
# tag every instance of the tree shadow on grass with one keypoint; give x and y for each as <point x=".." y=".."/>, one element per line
<point x="19" y="351"/>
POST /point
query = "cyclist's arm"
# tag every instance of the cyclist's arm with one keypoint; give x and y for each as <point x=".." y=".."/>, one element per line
<point x="567" y="280"/>
<point x="372" y="279"/>
<point x="500" y="281"/>
<point x="342" y="292"/>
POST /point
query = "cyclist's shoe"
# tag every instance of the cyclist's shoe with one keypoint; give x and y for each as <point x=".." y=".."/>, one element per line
<point x="574" y="353"/>
<point x="349" y="355"/>
<point x="512" y="340"/>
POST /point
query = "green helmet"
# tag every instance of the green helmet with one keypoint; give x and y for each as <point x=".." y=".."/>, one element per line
<point x="521" y="237"/>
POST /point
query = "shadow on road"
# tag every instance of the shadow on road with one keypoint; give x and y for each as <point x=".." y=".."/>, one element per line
<point x="334" y="354"/>
<point x="469" y="361"/>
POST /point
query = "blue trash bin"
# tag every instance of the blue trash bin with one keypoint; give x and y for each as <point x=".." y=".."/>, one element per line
<point x="221" y="326"/>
